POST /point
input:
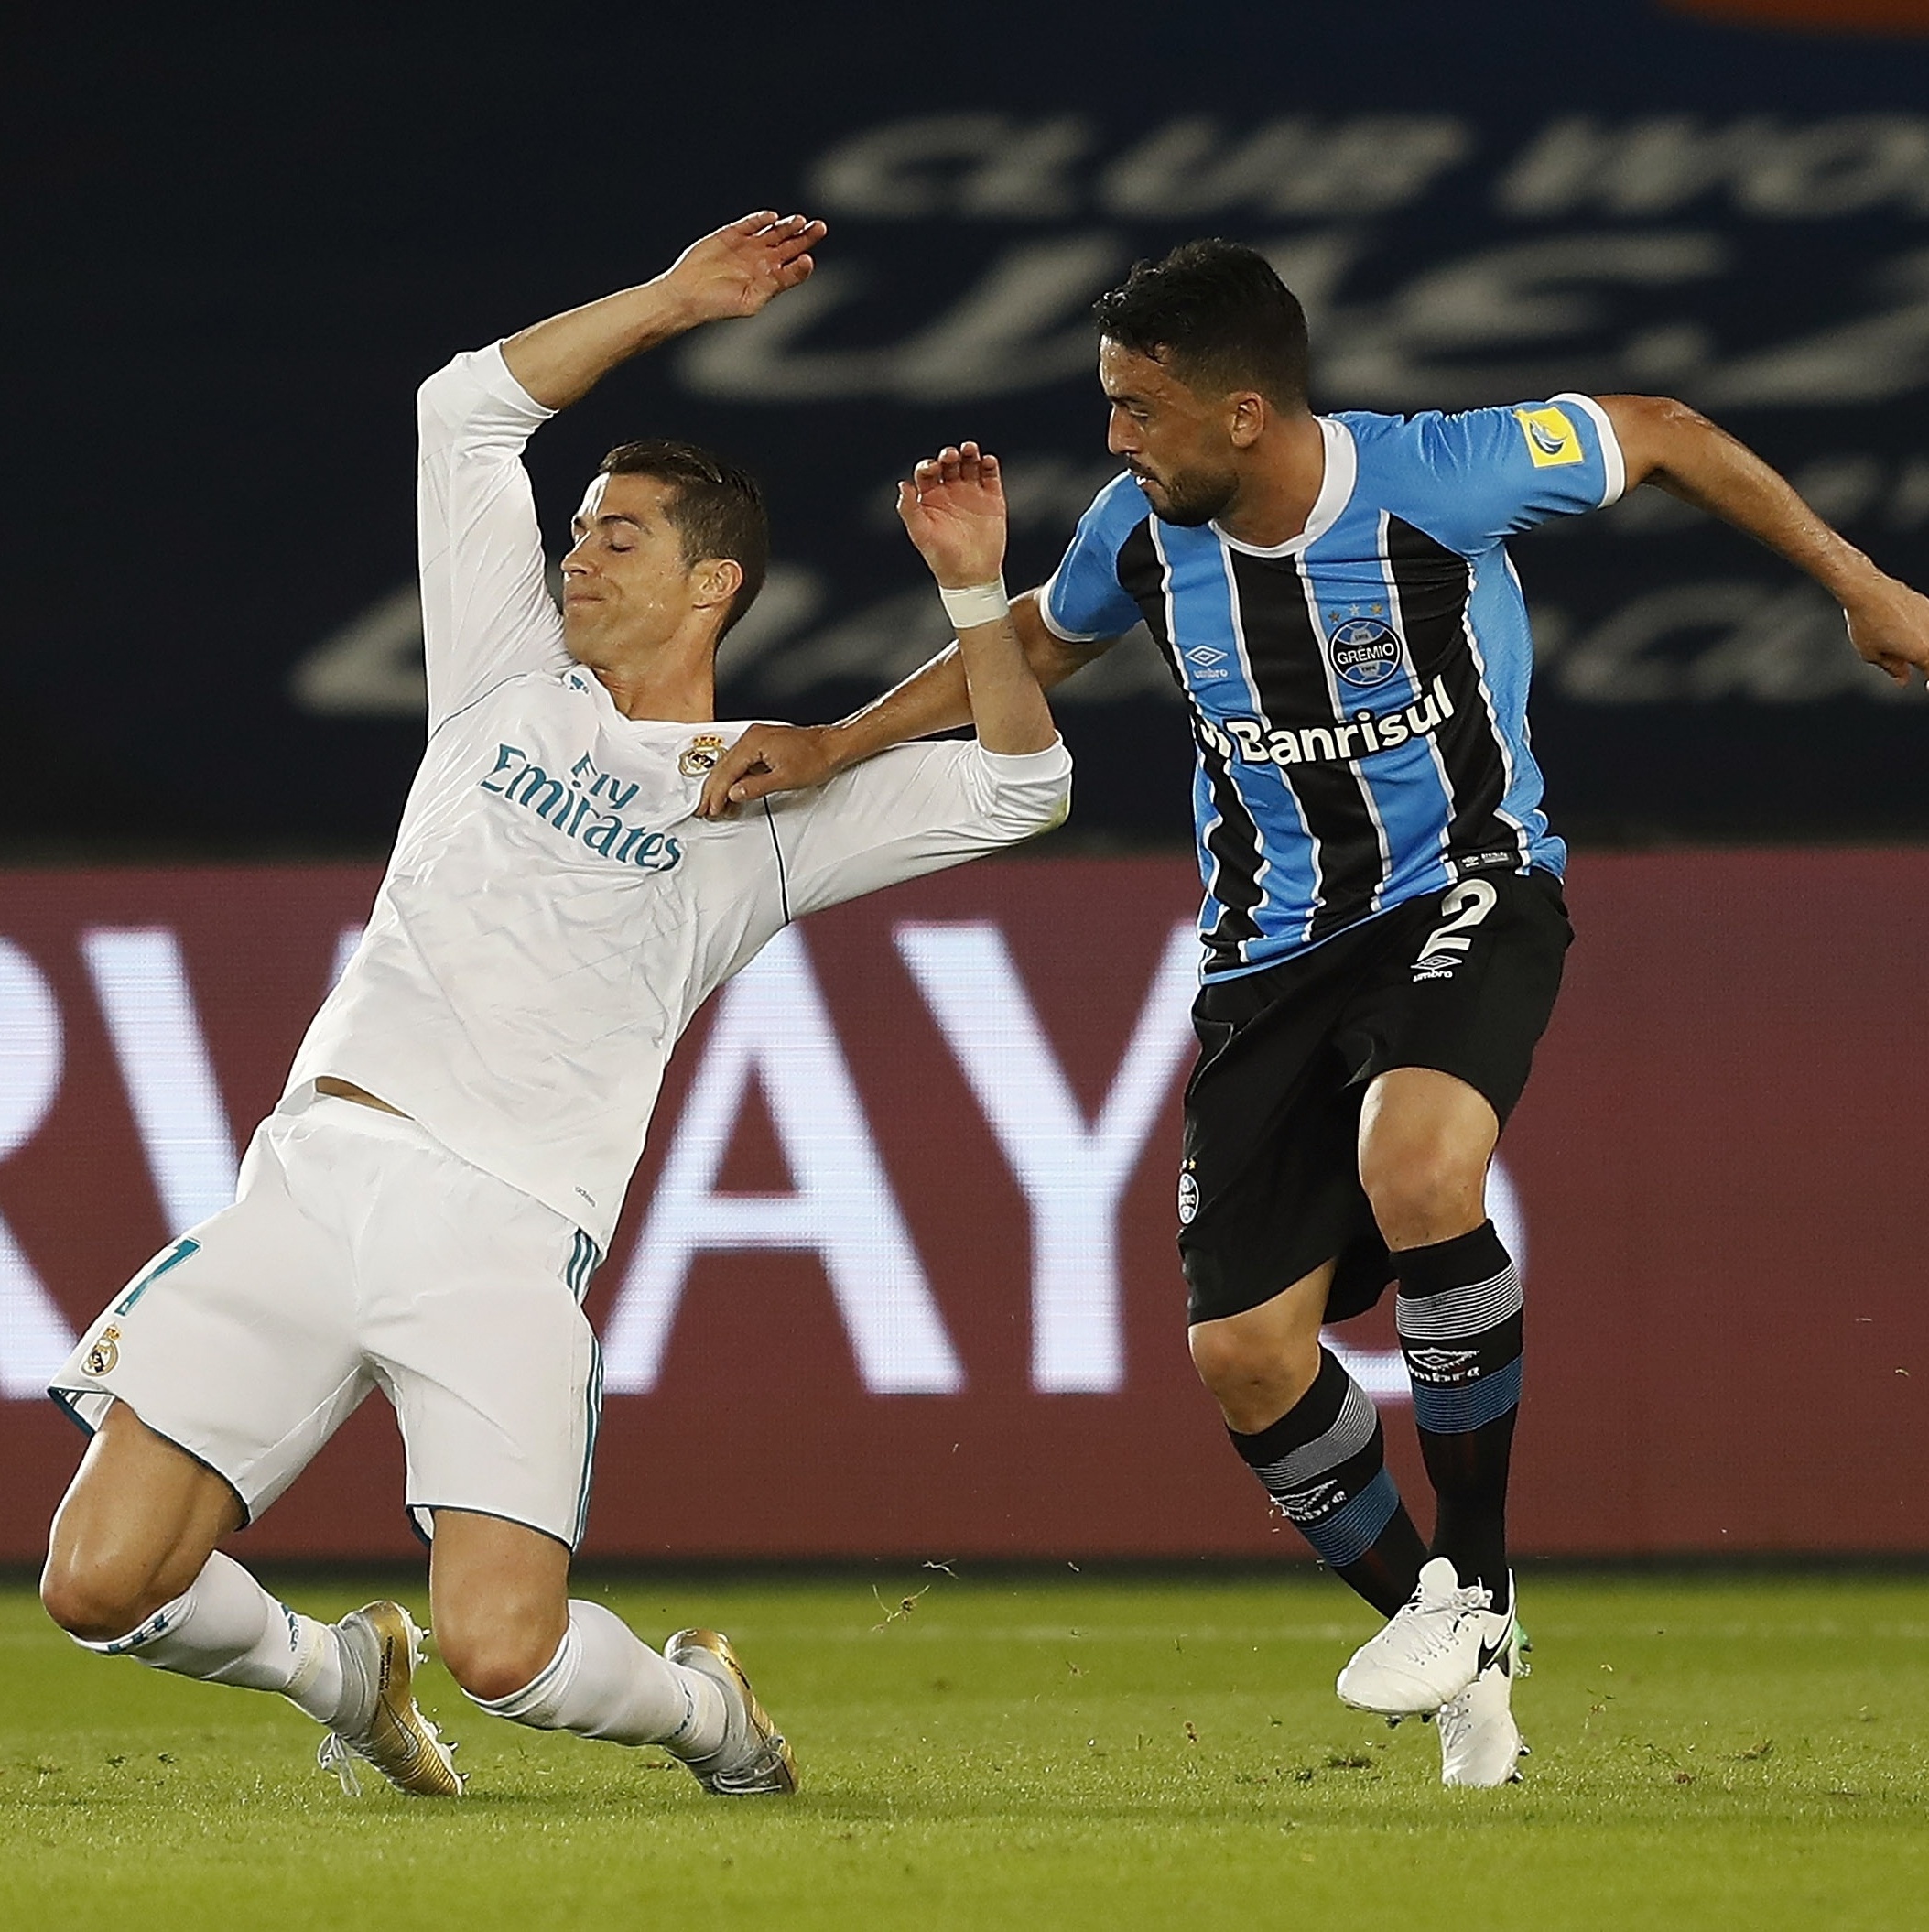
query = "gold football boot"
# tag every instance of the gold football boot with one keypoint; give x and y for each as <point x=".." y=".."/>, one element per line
<point x="752" y="1761"/>
<point x="381" y="1645"/>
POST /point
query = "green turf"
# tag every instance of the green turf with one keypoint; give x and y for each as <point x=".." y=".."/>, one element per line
<point x="1708" y="1753"/>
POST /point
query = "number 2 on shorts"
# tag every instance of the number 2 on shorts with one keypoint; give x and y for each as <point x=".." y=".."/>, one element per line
<point x="1467" y="903"/>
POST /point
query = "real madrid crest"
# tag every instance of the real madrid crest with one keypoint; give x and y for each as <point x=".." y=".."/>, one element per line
<point x="105" y="1352"/>
<point x="700" y="755"/>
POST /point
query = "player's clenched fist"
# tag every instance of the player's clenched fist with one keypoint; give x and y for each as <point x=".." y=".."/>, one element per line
<point x="953" y="508"/>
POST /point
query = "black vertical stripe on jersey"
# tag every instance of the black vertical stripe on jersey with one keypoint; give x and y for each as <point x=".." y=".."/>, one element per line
<point x="1141" y="576"/>
<point x="1432" y="584"/>
<point x="1233" y="841"/>
<point x="1287" y="656"/>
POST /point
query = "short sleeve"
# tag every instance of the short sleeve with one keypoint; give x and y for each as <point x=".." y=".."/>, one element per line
<point x="1084" y="601"/>
<point x="1489" y="473"/>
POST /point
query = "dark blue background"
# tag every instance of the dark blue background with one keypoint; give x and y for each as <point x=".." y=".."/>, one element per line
<point x="235" y="248"/>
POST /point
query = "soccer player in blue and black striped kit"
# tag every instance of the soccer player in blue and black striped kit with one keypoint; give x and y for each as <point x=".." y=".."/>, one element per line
<point x="1383" y="927"/>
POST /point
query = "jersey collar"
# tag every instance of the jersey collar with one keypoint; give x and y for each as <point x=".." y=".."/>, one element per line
<point x="1335" y="490"/>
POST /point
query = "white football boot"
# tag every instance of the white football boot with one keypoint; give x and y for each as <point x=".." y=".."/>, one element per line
<point x="380" y="1722"/>
<point x="1480" y="1745"/>
<point x="1434" y="1646"/>
<point x="752" y="1761"/>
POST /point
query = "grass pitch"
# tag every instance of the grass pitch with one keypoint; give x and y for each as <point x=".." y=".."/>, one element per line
<point x="1044" y="1754"/>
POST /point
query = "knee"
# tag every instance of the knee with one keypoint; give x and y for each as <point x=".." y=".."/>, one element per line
<point x="95" y="1601"/>
<point x="492" y="1653"/>
<point x="1422" y="1190"/>
<point x="1255" y="1380"/>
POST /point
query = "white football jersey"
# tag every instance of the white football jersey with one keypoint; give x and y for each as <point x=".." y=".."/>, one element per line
<point x="555" y="912"/>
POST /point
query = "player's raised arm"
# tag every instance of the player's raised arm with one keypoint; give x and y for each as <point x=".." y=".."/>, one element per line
<point x="1668" y="444"/>
<point x="487" y="611"/>
<point x="952" y="506"/>
<point x="723" y="277"/>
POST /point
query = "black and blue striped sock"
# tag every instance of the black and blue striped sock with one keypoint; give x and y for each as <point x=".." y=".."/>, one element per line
<point x="1458" y="1314"/>
<point x="1323" y="1464"/>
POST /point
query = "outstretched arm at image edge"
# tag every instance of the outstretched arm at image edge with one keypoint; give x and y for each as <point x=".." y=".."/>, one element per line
<point x="1678" y="450"/>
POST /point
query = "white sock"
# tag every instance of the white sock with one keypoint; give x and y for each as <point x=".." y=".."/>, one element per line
<point x="224" y="1628"/>
<point x="605" y="1682"/>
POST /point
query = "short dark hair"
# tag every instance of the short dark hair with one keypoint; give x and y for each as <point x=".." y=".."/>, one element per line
<point x="1215" y="312"/>
<point x="717" y="508"/>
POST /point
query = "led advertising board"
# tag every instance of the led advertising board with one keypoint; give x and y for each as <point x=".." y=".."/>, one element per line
<point x="897" y="1275"/>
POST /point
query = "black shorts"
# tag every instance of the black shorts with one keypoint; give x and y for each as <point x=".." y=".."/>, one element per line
<point x="1462" y="980"/>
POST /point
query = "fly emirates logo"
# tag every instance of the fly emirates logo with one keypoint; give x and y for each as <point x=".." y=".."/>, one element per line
<point x="1257" y="743"/>
<point x="583" y="804"/>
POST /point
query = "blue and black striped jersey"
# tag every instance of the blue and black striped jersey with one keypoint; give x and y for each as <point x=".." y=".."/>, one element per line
<point x="1358" y="694"/>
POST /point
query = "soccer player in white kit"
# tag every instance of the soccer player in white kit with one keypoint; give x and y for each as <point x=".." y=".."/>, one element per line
<point x="423" y="1210"/>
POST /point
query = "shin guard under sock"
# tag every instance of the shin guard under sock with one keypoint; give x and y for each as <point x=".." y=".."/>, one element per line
<point x="1460" y="1317"/>
<point x="224" y="1628"/>
<point x="1323" y="1464"/>
<point x="605" y="1682"/>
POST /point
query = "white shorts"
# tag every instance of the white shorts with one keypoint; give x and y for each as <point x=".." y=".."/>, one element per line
<point x="361" y="1253"/>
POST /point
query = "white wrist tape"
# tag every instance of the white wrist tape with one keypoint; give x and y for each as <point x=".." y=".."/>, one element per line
<point x="976" y="603"/>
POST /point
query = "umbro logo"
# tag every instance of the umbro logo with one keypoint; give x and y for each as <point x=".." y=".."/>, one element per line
<point x="1440" y="1360"/>
<point x="1205" y="656"/>
<point x="1308" y="1504"/>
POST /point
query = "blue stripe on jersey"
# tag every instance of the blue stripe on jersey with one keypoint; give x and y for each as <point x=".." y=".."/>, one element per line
<point x="1407" y="785"/>
<point x="1496" y="615"/>
<point x="1409" y="782"/>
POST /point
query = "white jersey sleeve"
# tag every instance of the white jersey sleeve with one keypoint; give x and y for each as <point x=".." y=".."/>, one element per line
<point x="486" y="609"/>
<point x="913" y="809"/>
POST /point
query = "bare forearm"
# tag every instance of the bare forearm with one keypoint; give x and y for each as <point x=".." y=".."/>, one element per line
<point x="561" y="360"/>
<point x="937" y="698"/>
<point x="1670" y="445"/>
<point x="733" y="271"/>
<point x="1009" y="711"/>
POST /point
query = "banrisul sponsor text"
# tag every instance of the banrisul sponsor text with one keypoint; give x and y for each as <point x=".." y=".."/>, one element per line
<point x="1255" y="741"/>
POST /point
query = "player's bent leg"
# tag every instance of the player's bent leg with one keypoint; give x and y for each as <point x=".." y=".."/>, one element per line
<point x="1260" y="1362"/>
<point x="139" y="1520"/>
<point x="524" y="1650"/>
<point x="498" y="1600"/>
<point x="1425" y="1141"/>
<point x="1312" y="1435"/>
<point x="132" y="1571"/>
